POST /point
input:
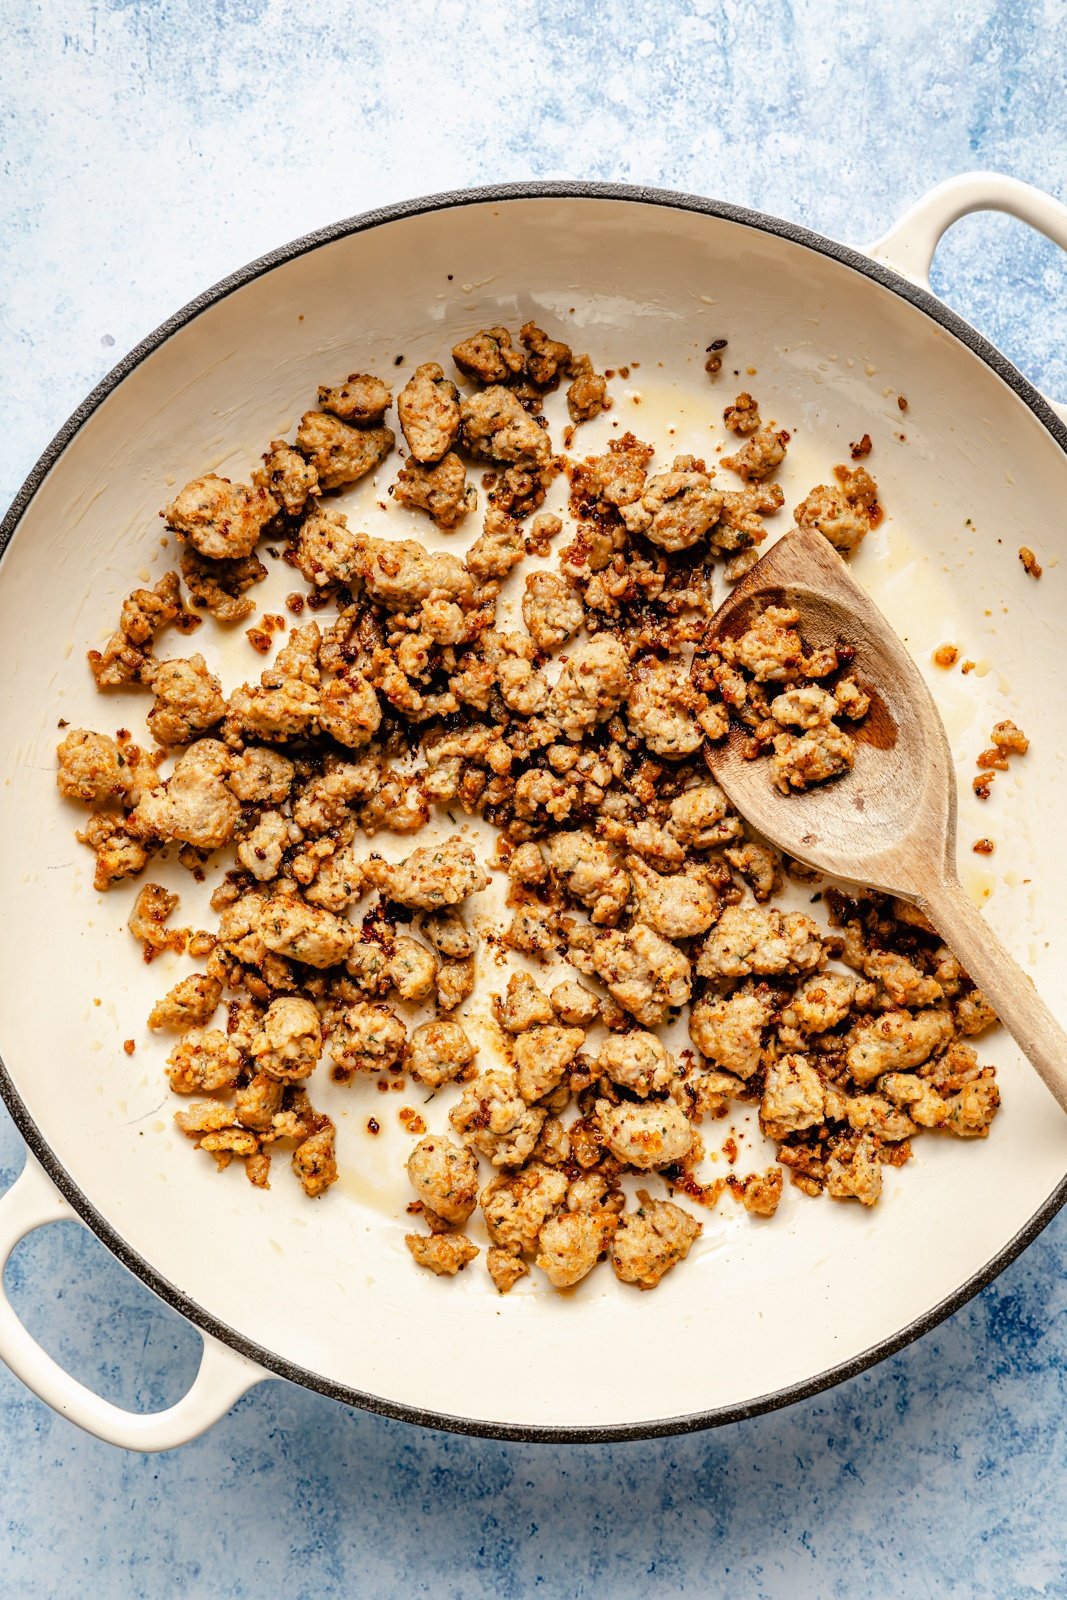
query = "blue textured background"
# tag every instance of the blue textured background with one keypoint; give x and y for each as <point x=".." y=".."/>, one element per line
<point x="146" y="150"/>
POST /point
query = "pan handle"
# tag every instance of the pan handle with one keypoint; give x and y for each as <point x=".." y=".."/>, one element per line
<point x="223" y="1376"/>
<point x="909" y="246"/>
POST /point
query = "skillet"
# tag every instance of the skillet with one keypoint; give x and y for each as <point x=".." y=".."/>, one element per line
<point x="325" y="1294"/>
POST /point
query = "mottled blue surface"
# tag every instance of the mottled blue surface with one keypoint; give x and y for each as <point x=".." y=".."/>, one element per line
<point x="146" y="150"/>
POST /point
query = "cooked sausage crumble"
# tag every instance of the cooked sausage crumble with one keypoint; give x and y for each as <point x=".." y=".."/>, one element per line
<point x="572" y="719"/>
<point x="792" y="699"/>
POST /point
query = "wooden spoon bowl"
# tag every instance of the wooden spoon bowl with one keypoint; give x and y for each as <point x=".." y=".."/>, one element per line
<point x="890" y="823"/>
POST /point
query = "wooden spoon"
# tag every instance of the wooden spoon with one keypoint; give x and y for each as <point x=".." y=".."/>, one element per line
<point x="890" y="823"/>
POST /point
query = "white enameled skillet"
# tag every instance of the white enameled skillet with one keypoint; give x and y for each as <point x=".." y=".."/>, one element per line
<point x="324" y="1294"/>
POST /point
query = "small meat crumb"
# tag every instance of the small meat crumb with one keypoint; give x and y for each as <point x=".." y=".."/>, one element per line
<point x="442" y="1253"/>
<point x="983" y="847"/>
<point x="946" y="655"/>
<point x="1007" y="737"/>
<point x="762" y="1191"/>
<point x="1030" y="561"/>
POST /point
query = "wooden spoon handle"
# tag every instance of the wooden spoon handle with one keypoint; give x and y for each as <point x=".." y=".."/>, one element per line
<point x="1004" y="983"/>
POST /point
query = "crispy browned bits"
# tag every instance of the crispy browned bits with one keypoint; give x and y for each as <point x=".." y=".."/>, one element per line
<point x="861" y="448"/>
<point x="1030" y="561"/>
<point x="946" y="655"/>
<point x="983" y="847"/>
<point x="1006" y="740"/>
<point x="622" y="855"/>
<point x="713" y="362"/>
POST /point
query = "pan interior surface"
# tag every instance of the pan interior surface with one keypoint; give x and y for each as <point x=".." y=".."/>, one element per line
<point x="967" y="474"/>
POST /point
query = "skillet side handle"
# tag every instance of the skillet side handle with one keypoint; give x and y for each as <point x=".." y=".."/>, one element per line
<point x="1007" y="987"/>
<point x="909" y="246"/>
<point x="32" y="1202"/>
